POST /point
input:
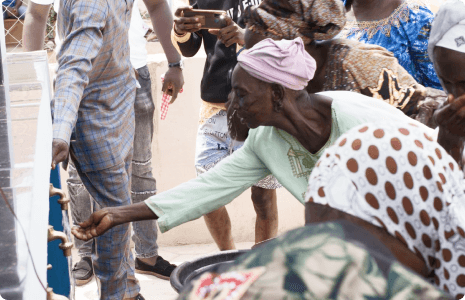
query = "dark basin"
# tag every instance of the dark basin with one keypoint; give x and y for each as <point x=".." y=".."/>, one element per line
<point x="188" y="271"/>
<point x="262" y="243"/>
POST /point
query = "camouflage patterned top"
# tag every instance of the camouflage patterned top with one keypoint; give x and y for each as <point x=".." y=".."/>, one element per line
<point x="336" y="260"/>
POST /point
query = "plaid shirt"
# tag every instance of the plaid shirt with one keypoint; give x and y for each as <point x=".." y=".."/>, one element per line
<point x="95" y="85"/>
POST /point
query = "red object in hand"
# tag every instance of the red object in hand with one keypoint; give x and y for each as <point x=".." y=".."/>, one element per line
<point x="165" y="101"/>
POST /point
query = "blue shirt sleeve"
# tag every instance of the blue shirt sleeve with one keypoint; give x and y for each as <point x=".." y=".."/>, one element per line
<point x="418" y="29"/>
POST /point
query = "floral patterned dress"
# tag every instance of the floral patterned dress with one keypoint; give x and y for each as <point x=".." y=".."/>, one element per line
<point x="405" y="33"/>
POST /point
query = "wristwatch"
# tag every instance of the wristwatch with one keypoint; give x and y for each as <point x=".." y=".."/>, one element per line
<point x="178" y="64"/>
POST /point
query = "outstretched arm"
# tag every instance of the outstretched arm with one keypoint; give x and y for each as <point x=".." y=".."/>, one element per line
<point x="34" y="26"/>
<point x="162" y="21"/>
<point x="104" y="219"/>
<point x="188" y="201"/>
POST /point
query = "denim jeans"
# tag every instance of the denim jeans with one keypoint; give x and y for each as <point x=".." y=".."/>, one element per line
<point x="143" y="185"/>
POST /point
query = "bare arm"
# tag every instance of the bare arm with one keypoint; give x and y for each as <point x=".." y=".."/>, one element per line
<point x="34" y="26"/>
<point x="162" y="21"/>
<point x="189" y="200"/>
<point x="104" y="219"/>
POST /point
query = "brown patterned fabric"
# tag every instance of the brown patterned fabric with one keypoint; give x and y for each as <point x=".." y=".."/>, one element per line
<point x="373" y="71"/>
<point x="288" y="19"/>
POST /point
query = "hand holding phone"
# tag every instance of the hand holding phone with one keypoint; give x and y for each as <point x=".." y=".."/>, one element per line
<point x="182" y="24"/>
<point x="192" y="20"/>
<point x="209" y="19"/>
<point x="230" y="34"/>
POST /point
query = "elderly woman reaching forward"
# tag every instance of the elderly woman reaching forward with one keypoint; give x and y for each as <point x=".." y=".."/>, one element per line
<point x="291" y="129"/>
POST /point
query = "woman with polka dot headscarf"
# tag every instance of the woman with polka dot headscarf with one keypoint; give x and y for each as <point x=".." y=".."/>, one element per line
<point x="395" y="177"/>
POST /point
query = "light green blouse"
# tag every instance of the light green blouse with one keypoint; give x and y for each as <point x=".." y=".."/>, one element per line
<point x="266" y="151"/>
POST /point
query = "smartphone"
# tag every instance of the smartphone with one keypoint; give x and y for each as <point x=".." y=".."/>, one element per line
<point x="209" y="19"/>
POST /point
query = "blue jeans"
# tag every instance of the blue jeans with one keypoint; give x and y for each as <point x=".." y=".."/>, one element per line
<point x="143" y="184"/>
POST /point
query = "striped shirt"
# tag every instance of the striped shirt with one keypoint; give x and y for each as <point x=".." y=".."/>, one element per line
<point x="95" y="86"/>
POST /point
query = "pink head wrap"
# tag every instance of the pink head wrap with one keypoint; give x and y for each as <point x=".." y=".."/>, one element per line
<point x="285" y="62"/>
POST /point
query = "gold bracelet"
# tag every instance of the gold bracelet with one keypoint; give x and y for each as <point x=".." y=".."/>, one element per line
<point x="180" y="38"/>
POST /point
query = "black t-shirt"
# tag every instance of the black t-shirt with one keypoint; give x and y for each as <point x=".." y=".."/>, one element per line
<point x="221" y="60"/>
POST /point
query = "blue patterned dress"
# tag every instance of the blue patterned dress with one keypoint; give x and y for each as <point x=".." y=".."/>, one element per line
<point x="405" y="33"/>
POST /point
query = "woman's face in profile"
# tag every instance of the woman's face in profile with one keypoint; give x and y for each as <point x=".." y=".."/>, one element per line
<point x="251" y="99"/>
<point x="450" y="67"/>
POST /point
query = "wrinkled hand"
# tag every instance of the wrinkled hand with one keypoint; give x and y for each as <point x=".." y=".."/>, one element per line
<point x="60" y="153"/>
<point x="173" y="82"/>
<point x="451" y="117"/>
<point x="183" y="25"/>
<point x="451" y="120"/>
<point x="97" y="224"/>
<point x="426" y="112"/>
<point x="231" y="34"/>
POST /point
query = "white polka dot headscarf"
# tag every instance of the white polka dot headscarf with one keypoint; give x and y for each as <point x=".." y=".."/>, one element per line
<point x="399" y="178"/>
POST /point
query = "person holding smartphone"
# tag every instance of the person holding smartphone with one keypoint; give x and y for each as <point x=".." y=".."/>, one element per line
<point x="213" y="139"/>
